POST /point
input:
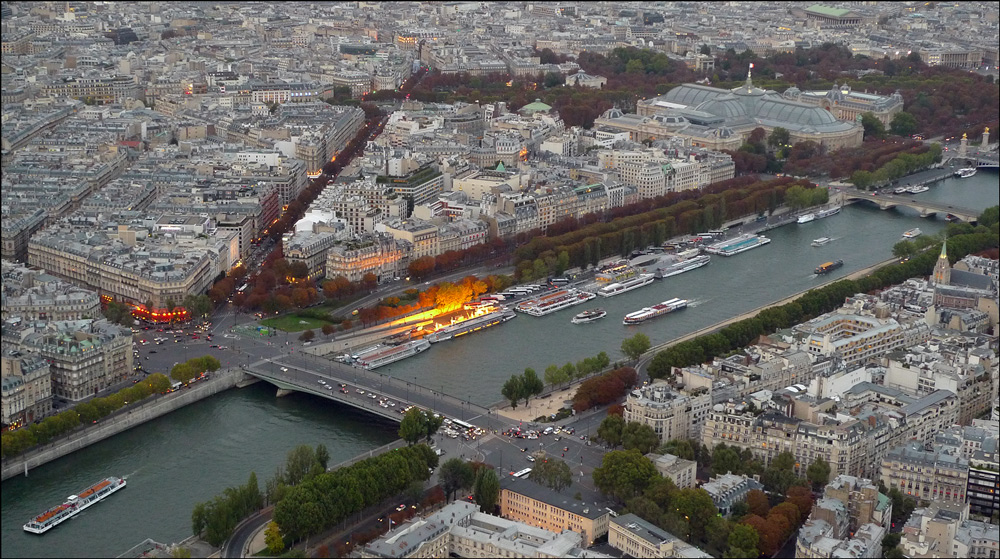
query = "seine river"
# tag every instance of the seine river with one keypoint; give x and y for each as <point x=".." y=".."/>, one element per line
<point x="191" y="455"/>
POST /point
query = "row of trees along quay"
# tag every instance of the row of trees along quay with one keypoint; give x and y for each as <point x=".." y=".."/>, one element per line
<point x="963" y="239"/>
<point x="79" y="416"/>
<point x="308" y="499"/>
<point x="585" y="241"/>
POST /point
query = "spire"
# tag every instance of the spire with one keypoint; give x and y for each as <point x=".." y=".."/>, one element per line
<point x="944" y="250"/>
<point x="750" y="79"/>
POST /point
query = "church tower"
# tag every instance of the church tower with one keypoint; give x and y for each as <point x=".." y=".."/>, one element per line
<point x="942" y="270"/>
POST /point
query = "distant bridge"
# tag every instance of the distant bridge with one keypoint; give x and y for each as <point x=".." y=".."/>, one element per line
<point x="924" y="207"/>
<point x="987" y="157"/>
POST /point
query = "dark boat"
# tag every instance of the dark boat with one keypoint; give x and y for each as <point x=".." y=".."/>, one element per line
<point x="828" y="267"/>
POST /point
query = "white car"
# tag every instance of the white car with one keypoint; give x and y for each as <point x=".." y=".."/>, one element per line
<point x="284" y="369"/>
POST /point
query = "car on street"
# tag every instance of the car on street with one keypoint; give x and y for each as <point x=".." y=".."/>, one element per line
<point x="400" y="508"/>
<point x="531" y="458"/>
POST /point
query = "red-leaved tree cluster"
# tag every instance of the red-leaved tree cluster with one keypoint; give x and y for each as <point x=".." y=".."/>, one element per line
<point x="604" y="389"/>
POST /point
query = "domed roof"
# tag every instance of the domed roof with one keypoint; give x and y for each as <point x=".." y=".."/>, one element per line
<point x="792" y="93"/>
<point x="796" y="113"/>
<point x="692" y="94"/>
<point x="727" y="106"/>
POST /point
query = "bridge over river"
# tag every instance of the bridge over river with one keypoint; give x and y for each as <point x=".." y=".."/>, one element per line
<point x="365" y="389"/>
<point x="926" y="208"/>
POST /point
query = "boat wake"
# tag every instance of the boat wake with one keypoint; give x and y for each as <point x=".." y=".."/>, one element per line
<point x="697" y="302"/>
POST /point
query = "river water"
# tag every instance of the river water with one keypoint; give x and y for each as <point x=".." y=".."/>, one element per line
<point x="189" y="456"/>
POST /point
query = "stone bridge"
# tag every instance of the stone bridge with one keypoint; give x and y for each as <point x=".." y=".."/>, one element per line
<point x="926" y="208"/>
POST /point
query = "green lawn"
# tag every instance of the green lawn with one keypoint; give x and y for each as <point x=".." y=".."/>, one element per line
<point x="294" y="323"/>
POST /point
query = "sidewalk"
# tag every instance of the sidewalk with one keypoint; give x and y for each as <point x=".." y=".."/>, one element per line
<point x="538" y="407"/>
<point x="257" y="541"/>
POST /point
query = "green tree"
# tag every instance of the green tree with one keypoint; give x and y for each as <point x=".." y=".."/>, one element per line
<point x="554" y="376"/>
<point x="743" y="542"/>
<point x="455" y="474"/>
<point x="873" y="126"/>
<point x="862" y="179"/>
<point x="624" y="474"/>
<point x="639" y="436"/>
<point x="726" y="460"/>
<point x="818" y="473"/>
<point x="431" y="424"/>
<point x="199" y="519"/>
<point x="299" y="464"/>
<point x="784" y="461"/>
<point x="611" y="430"/>
<point x="903" y="124"/>
<point x="486" y="490"/>
<point x="531" y="385"/>
<point x="272" y="538"/>
<point x="717" y="534"/>
<point x="779" y="137"/>
<point x="705" y="49"/>
<point x="552" y="473"/>
<point x="635" y="66"/>
<point x="679" y="448"/>
<point x="634" y="347"/>
<point x="513" y="390"/>
<point x="413" y="426"/>
<point x="322" y="456"/>
<point x="904" y="249"/>
<point x="697" y="507"/>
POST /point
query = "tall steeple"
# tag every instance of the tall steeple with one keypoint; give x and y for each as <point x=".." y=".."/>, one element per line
<point x="749" y="84"/>
<point x="942" y="269"/>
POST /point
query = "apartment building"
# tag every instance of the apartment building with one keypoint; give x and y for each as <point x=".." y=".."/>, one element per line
<point x="32" y="295"/>
<point x="420" y="186"/>
<point x="672" y="415"/>
<point x="944" y="530"/>
<point x="475" y="183"/>
<point x="84" y="356"/>
<point x="130" y="265"/>
<point x="635" y="537"/>
<point x="422" y="236"/>
<point x="850" y="445"/>
<point x="460" y="530"/>
<point x="728" y="489"/>
<point x="378" y="254"/>
<point x="310" y="249"/>
<point x="856" y="339"/>
<point x="27" y="388"/>
<point x="17" y="229"/>
<point x="850" y="520"/>
<point x="556" y="204"/>
<point x="98" y="89"/>
<point x="525" y="501"/>
<point x="979" y="446"/>
<point x="678" y="470"/>
<point x="938" y="473"/>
